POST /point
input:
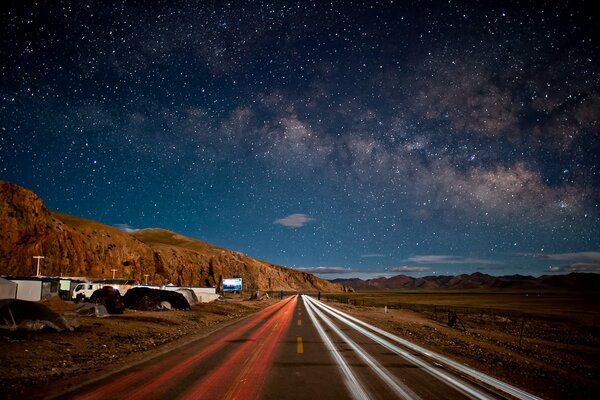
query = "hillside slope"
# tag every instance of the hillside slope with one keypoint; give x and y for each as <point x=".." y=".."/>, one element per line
<point x="75" y="246"/>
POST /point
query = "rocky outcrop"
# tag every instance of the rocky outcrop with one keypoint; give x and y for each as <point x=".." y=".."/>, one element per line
<point x="77" y="247"/>
<point x="187" y="261"/>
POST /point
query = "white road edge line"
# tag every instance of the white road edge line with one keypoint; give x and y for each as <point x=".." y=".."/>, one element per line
<point x="392" y="381"/>
<point x="352" y="383"/>
<point x="493" y="382"/>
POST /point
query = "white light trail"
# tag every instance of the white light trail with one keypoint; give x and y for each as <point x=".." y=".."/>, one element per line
<point x="486" y="379"/>
<point x="352" y="383"/>
<point x="443" y="376"/>
<point x="398" y="387"/>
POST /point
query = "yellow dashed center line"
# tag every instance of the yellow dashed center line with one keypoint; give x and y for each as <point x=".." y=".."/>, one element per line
<point x="299" y="345"/>
<point x="299" y="322"/>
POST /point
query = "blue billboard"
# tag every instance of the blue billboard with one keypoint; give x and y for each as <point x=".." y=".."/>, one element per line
<point x="232" y="284"/>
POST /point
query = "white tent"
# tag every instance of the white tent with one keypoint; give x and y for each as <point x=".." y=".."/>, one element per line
<point x="8" y="289"/>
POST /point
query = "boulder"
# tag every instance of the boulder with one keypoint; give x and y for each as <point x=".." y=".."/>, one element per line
<point x="91" y="310"/>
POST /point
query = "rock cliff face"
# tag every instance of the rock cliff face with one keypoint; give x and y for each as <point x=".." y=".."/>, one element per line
<point x="77" y="247"/>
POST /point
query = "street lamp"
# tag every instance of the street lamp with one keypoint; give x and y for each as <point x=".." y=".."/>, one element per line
<point x="38" y="264"/>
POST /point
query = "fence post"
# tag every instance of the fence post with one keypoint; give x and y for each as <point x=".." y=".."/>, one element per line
<point x="521" y="331"/>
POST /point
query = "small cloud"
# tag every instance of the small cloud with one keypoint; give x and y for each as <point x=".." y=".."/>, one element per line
<point x="126" y="228"/>
<point x="577" y="267"/>
<point x="372" y="256"/>
<point x="294" y="220"/>
<point x="584" y="256"/>
<point x="499" y="267"/>
<point x="326" y="270"/>
<point x="448" y="260"/>
<point x="407" y="268"/>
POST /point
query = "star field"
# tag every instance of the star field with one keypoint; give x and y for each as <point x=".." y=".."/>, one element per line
<point x="349" y="138"/>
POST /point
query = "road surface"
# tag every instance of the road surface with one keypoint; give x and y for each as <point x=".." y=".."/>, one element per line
<point x="299" y="348"/>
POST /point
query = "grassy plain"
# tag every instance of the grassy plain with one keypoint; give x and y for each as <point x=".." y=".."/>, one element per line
<point x="578" y="307"/>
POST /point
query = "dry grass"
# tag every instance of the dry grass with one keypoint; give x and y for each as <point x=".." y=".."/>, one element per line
<point x="155" y="236"/>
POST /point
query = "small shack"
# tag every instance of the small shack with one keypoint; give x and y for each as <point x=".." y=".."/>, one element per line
<point x="66" y="286"/>
<point x="8" y="289"/>
<point x="35" y="288"/>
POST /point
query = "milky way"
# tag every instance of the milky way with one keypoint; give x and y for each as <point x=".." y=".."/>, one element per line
<point x="347" y="138"/>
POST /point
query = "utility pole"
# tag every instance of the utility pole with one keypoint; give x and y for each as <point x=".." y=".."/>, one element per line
<point x="113" y="271"/>
<point x="38" y="264"/>
<point x="146" y="276"/>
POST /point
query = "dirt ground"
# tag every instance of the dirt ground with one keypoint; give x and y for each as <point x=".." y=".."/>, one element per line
<point x="546" y="351"/>
<point x="36" y="365"/>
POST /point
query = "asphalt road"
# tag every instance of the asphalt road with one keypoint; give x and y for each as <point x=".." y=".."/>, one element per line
<point x="298" y="348"/>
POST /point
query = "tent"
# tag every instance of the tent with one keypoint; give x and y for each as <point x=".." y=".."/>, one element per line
<point x="189" y="295"/>
<point x="31" y="316"/>
<point x="8" y="289"/>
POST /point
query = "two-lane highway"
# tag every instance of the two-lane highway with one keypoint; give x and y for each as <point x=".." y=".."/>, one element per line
<point x="299" y="348"/>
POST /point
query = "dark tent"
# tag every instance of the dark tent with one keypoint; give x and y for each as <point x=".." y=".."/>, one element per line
<point x="110" y="298"/>
<point x="142" y="298"/>
<point x="29" y="315"/>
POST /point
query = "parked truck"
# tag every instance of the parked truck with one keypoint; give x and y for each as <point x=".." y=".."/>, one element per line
<point x="83" y="291"/>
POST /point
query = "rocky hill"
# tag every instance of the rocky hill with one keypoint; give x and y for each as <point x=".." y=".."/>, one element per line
<point x="78" y="247"/>
<point x="477" y="280"/>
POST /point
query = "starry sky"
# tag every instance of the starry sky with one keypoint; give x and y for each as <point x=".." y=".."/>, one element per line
<point x="345" y="138"/>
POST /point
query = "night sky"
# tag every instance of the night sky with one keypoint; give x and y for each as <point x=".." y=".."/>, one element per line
<point x="350" y="139"/>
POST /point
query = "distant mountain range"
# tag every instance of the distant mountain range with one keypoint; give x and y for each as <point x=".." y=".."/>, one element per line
<point x="478" y="280"/>
<point x="79" y="247"/>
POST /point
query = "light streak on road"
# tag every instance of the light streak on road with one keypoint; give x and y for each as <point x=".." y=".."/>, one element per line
<point x="350" y="380"/>
<point x="398" y="387"/>
<point x="465" y="388"/>
<point x="155" y="381"/>
<point x="249" y="363"/>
